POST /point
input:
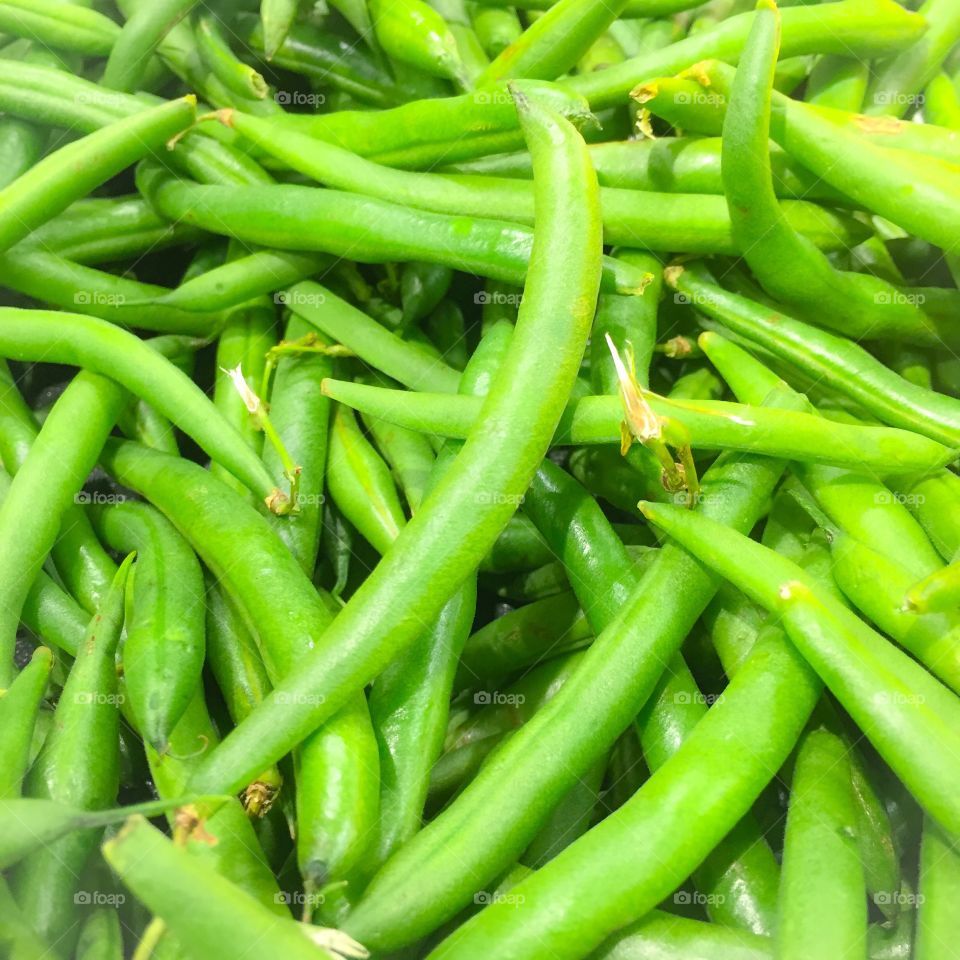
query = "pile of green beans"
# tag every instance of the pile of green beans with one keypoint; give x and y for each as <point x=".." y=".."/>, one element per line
<point x="479" y="479"/>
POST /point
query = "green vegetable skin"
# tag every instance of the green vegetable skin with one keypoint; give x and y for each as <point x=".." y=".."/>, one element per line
<point x="533" y="430"/>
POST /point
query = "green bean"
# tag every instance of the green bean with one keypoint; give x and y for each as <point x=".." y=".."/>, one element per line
<point x="702" y="779"/>
<point x="172" y="884"/>
<point x="409" y="455"/>
<point x="898" y="80"/>
<point x="848" y="368"/>
<point x="873" y="176"/>
<point x="496" y="28"/>
<point x="81" y="561"/>
<point x="60" y="99"/>
<point x="876" y="585"/>
<point x="617" y="664"/>
<point x="276" y="17"/>
<point x="838" y="82"/>
<point x="633" y="8"/>
<point x="856" y="502"/>
<point x="59" y="25"/>
<point x="656" y="221"/>
<point x="22" y="143"/>
<point x="243" y="279"/>
<point x="101" y="937"/>
<point x="427" y="128"/>
<point x="497" y="460"/>
<point x="238" y="77"/>
<point x="935" y="501"/>
<point x="53" y="616"/>
<point x="862" y="27"/>
<point x="407" y="361"/>
<point x="213" y="506"/>
<point x="238" y="669"/>
<point x="865" y="306"/>
<point x="163" y="651"/>
<point x="553" y="43"/>
<point x="519" y="547"/>
<point x="941" y="102"/>
<point x="337" y="768"/>
<point x="664" y="936"/>
<point x="19" y="706"/>
<point x="740" y="876"/>
<point x="602" y="53"/>
<point x="360" y="483"/>
<point x="711" y="424"/>
<point x="95" y="231"/>
<point x="52" y="279"/>
<point x="551" y="579"/>
<point x="520" y="639"/>
<point x="48" y="473"/>
<point x="412" y="32"/>
<point x="877" y="684"/>
<point x="17" y="936"/>
<point x="366" y="229"/>
<point x="338" y="779"/>
<point x="422" y="287"/>
<point x="78" y="765"/>
<point x="327" y="61"/>
<point x="145" y="28"/>
<point x="356" y="13"/>
<point x="301" y="416"/>
<point x="242" y="346"/>
<point x="228" y="843"/>
<point x="820" y="860"/>
<point x="939" y="884"/>
<point x="630" y="320"/>
<point x="98" y="346"/>
<point x="74" y="170"/>
<point x="31" y="823"/>
<point x="938" y="591"/>
<point x="409" y="702"/>
<point x="502" y="712"/>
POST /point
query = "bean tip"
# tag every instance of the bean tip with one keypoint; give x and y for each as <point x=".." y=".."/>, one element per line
<point x="671" y="275"/>
<point x="645" y="92"/>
